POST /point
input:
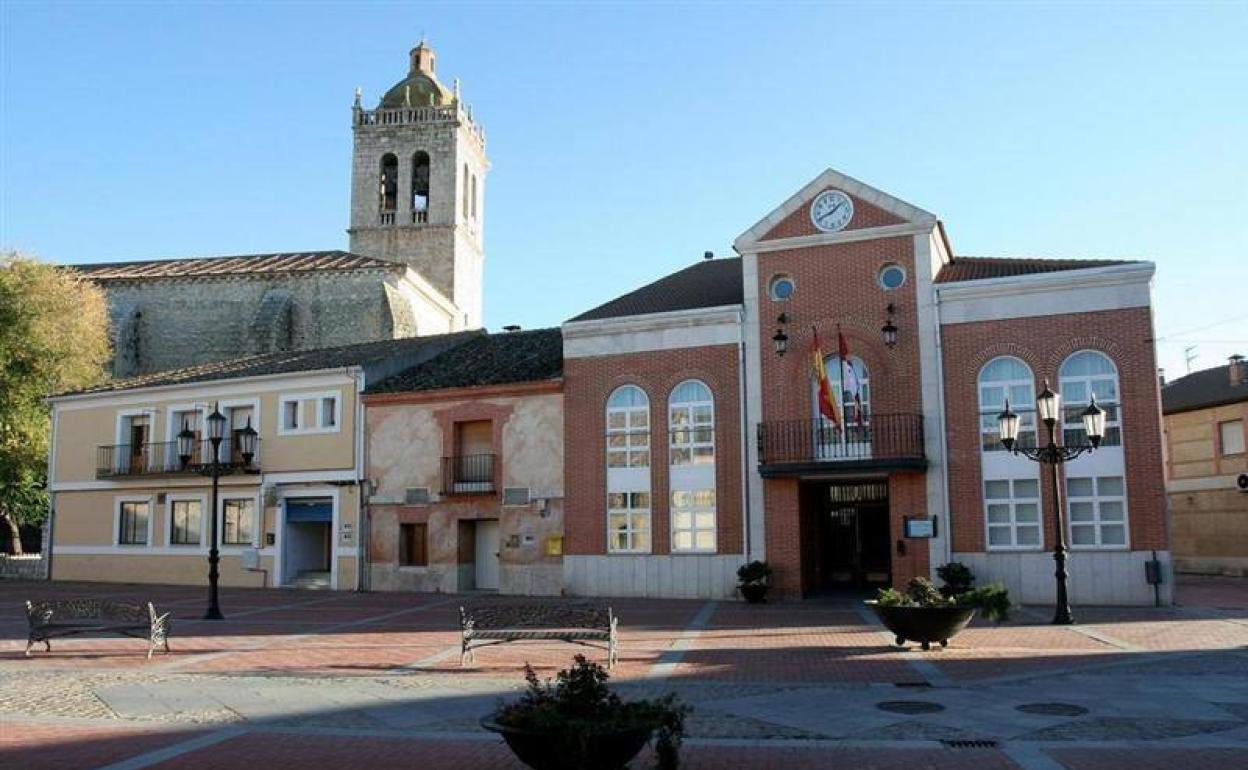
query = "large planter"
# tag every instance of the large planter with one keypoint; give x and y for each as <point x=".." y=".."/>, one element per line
<point x="543" y="751"/>
<point x="754" y="593"/>
<point x="923" y="624"/>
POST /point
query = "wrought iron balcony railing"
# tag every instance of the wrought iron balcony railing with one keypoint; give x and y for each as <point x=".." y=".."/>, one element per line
<point x="468" y="475"/>
<point x="883" y="439"/>
<point x="161" y="458"/>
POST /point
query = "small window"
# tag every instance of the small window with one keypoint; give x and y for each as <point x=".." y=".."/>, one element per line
<point x="1097" y="512"/>
<point x="781" y="288"/>
<point x="186" y="522"/>
<point x="329" y="412"/>
<point x="628" y="522"/>
<point x="412" y="550"/>
<point x="1012" y="507"/>
<point x="1231" y="434"/>
<point x="238" y="520"/>
<point x="892" y="276"/>
<point x="693" y="520"/>
<point x="290" y="415"/>
<point x="132" y="526"/>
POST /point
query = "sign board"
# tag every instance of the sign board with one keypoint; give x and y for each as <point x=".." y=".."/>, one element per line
<point x="920" y="526"/>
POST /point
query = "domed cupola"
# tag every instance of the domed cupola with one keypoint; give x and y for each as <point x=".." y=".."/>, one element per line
<point x="421" y="87"/>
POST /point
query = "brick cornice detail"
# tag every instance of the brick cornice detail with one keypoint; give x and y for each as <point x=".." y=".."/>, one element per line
<point x="457" y="394"/>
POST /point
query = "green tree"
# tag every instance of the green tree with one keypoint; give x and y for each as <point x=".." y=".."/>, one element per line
<point x="53" y="338"/>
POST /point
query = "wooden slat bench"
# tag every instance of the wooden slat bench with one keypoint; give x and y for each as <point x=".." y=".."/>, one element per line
<point x="67" y="617"/>
<point x="587" y="625"/>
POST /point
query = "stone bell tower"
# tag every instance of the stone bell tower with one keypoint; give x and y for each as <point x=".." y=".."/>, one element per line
<point x="418" y="184"/>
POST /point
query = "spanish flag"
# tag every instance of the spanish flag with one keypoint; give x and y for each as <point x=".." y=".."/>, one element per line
<point x="827" y="404"/>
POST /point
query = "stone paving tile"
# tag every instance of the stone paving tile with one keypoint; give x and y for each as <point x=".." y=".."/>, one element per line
<point x="1189" y="758"/>
<point x="59" y="746"/>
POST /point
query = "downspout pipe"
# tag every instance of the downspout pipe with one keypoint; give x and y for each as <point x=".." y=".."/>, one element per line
<point x="742" y="396"/>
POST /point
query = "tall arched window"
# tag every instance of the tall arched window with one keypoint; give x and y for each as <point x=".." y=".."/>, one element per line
<point x="628" y="470"/>
<point x="420" y="187"/>
<point x="1000" y="379"/>
<point x="851" y="388"/>
<point x="467" y="191"/>
<point x="1011" y="486"/>
<point x="1096" y="497"/>
<point x="474" y="196"/>
<point x="691" y="451"/>
<point x="389" y="187"/>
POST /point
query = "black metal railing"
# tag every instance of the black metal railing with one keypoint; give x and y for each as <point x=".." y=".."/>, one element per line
<point x="157" y="458"/>
<point x="884" y="437"/>
<point x="468" y="475"/>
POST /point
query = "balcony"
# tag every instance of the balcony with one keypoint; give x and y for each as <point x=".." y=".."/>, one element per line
<point x="884" y="442"/>
<point x="468" y="475"/>
<point x="161" y="459"/>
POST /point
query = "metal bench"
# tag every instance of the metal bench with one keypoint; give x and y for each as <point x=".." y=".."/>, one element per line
<point x="66" y="617"/>
<point x="586" y="625"/>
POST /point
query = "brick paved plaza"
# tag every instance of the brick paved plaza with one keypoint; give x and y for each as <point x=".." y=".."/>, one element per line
<point x="340" y="680"/>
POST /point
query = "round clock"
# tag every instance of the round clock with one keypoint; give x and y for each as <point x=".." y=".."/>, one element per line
<point x="831" y="211"/>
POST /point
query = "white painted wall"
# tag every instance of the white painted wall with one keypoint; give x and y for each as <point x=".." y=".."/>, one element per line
<point x="1095" y="577"/>
<point x="668" y="577"/>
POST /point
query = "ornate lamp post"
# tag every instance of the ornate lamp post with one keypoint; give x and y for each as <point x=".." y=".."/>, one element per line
<point x="247" y="450"/>
<point x="1048" y="406"/>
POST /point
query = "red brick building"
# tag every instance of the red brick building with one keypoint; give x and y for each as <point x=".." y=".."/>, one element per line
<point x="693" y="440"/>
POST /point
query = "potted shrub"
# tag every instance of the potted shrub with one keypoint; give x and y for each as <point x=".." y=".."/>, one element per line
<point x="752" y="581"/>
<point x="577" y="722"/>
<point x="925" y="614"/>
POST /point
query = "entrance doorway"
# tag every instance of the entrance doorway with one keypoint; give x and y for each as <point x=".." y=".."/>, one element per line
<point x="487" y="547"/>
<point x="846" y="535"/>
<point x="308" y="542"/>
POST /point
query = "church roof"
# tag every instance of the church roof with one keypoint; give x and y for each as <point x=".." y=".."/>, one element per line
<point x="379" y="360"/>
<point x="1201" y="390"/>
<point x="246" y="264"/>
<point x="496" y="359"/>
<point x="709" y="283"/>
<point x="978" y="268"/>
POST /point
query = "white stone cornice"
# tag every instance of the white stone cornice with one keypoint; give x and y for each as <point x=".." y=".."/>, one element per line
<point x="748" y="240"/>
<point x="844" y="236"/>
<point x="1090" y="289"/>
<point x="653" y="331"/>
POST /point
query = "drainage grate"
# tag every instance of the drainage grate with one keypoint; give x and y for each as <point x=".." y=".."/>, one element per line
<point x="909" y="707"/>
<point x="970" y="744"/>
<point x="1052" y="709"/>
<point x="912" y="684"/>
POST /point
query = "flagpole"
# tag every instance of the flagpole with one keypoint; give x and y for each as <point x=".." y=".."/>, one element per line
<point x="841" y="357"/>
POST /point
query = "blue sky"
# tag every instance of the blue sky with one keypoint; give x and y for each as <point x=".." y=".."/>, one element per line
<point x="627" y="139"/>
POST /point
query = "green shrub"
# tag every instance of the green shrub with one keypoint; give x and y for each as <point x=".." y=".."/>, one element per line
<point x="992" y="601"/>
<point x="754" y="573"/>
<point x="957" y="578"/>
<point x="925" y="594"/>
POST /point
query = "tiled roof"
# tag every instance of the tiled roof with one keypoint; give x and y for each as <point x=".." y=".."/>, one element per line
<point x="977" y="268"/>
<point x="406" y="351"/>
<point x="1203" y="389"/>
<point x="497" y="359"/>
<point x="247" y="264"/>
<point x="709" y="283"/>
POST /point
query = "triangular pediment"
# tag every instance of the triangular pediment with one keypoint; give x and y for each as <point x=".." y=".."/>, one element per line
<point x="872" y="208"/>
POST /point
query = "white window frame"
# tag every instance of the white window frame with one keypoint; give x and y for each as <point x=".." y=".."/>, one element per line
<point x="302" y="399"/>
<point x="1025" y="410"/>
<point x="846" y="442"/>
<point x="1097" y="523"/>
<point x="122" y="435"/>
<point x="1072" y="406"/>
<point x="631" y="531"/>
<point x="1012" y="502"/>
<point x="690" y="409"/>
<point x="170" y="499"/>
<point x="1237" y="427"/>
<point x="151" y="517"/>
<point x="258" y="512"/>
<point x="693" y="510"/>
<point x="629" y="431"/>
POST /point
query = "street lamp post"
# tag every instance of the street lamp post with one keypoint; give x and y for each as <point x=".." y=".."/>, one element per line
<point x="1048" y="406"/>
<point x="216" y="424"/>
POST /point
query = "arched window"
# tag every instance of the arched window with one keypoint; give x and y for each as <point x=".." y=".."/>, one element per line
<point x="474" y="196"/>
<point x="1011" y="486"/>
<point x="1083" y="373"/>
<point x="1000" y="379"/>
<point x="420" y="187"/>
<point x="691" y="451"/>
<point x="389" y="187"/>
<point x="467" y="191"/>
<point x="1096" y="497"/>
<point x="851" y="389"/>
<point x="628" y="470"/>
<point x="691" y="424"/>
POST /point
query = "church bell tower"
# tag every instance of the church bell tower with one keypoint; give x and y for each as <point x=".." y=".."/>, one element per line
<point x="418" y="184"/>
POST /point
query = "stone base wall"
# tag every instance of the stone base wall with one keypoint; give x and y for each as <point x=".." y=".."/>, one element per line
<point x="31" y="566"/>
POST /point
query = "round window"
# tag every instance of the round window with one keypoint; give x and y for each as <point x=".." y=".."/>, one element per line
<point x="781" y="287"/>
<point x="892" y="276"/>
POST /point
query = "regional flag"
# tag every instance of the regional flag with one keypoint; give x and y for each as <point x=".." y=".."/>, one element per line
<point x="849" y="378"/>
<point x="827" y="404"/>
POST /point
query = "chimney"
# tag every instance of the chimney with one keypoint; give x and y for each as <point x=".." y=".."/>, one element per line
<point x="708" y="255"/>
<point x="1238" y="370"/>
<point x="423" y="59"/>
<point x="1161" y="376"/>
<point x="511" y="328"/>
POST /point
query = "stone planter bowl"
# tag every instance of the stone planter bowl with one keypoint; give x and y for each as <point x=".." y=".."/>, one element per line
<point x="923" y="624"/>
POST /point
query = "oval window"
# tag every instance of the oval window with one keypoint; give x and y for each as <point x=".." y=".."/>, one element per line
<point x="781" y="287"/>
<point x="892" y="276"/>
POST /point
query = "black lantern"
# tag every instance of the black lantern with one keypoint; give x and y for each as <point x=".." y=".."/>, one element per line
<point x="247" y="442"/>
<point x="889" y="329"/>
<point x="1007" y="422"/>
<point x="186" y="444"/>
<point x="780" y="341"/>
<point x="1094" y="423"/>
<point x="1047" y="405"/>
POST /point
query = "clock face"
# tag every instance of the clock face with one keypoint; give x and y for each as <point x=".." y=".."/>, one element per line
<point x="831" y="211"/>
